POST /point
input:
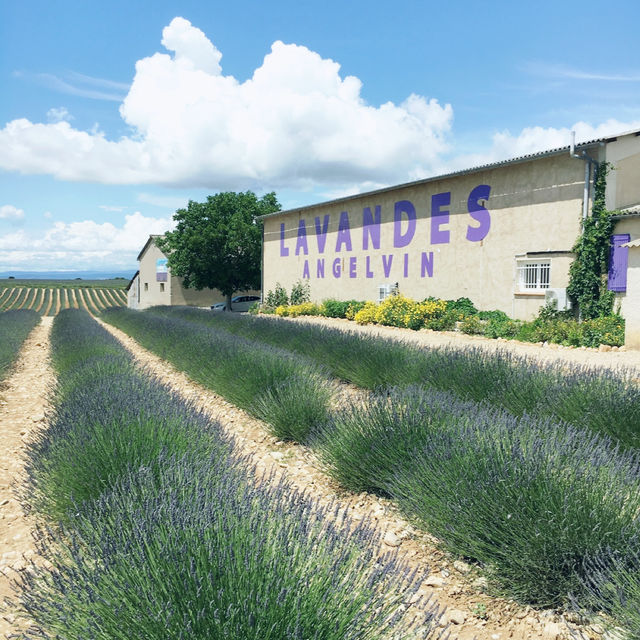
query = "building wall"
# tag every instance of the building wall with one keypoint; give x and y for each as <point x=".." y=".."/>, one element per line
<point x="171" y="292"/>
<point x="152" y="292"/>
<point x="631" y="304"/>
<point x="623" y="182"/>
<point x="469" y="231"/>
<point x="629" y="301"/>
<point x="133" y="295"/>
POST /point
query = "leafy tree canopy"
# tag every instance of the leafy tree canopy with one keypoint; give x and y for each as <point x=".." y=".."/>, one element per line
<point x="217" y="244"/>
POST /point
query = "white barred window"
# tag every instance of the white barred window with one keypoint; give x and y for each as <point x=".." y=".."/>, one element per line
<point x="533" y="275"/>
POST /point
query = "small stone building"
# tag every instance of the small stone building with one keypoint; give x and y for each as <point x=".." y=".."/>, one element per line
<point x="154" y="284"/>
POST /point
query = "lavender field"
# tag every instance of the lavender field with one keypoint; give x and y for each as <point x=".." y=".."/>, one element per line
<point x="154" y="528"/>
<point x="532" y="472"/>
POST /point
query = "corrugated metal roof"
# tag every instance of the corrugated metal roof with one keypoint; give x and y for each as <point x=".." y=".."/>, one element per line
<point x="633" y="243"/>
<point x="462" y="172"/>
<point x="630" y="212"/>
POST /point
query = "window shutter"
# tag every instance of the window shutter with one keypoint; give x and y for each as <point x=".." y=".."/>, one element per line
<point x="618" y="257"/>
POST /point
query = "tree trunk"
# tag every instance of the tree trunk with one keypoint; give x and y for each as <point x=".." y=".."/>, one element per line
<point x="228" y="306"/>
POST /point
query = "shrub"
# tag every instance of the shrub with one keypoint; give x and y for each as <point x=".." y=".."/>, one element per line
<point x="462" y="305"/>
<point x="605" y="330"/>
<point x="367" y="314"/>
<point x="282" y="311"/>
<point x="192" y="555"/>
<point x="300" y="292"/>
<point x="497" y="316"/>
<point x="353" y="309"/>
<point x="393" y="311"/>
<point x="427" y="313"/>
<point x="472" y="325"/>
<point x="278" y="297"/>
<point x="496" y="328"/>
<point x="444" y="322"/>
<point x="303" y="309"/>
<point x="339" y="308"/>
<point x="364" y="443"/>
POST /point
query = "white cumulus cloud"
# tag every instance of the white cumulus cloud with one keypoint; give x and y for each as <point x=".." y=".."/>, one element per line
<point x="295" y="123"/>
<point x="11" y="213"/>
<point x="59" y="114"/>
<point x="530" y="140"/>
<point x="81" y="245"/>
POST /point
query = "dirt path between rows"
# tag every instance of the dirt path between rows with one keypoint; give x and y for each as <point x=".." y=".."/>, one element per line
<point x="23" y="403"/>
<point x="457" y="586"/>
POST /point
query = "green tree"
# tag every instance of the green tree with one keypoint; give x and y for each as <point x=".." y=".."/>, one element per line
<point x="217" y="244"/>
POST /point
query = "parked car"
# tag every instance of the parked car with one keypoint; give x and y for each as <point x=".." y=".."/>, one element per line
<point x="239" y="303"/>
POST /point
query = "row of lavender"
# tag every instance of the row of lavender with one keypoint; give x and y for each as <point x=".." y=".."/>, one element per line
<point x="600" y="400"/>
<point x="155" y="529"/>
<point x="15" y="326"/>
<point x="549" y="509"/>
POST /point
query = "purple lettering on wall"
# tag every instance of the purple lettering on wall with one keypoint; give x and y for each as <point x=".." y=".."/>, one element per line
<point x="321" y="232"/>
<point x="344" y="232"/>
<point x="406" y="265"/>
<point x="320" y="268"/>
<point x="336" y="267"/>
<point x="426" y="264"/>
<point x="305" y="271"/>
<point x="387" y="261"/>
<point x="439" y="217"/>
<point x="371" y="228"/>
<point x="403" y="207"/>
<point x="367" y="262"/>
<point x="479" y="213"/>
<point x="301" y="242"/>
<point x="284" y="251"/>
<point x="352" y="267"/>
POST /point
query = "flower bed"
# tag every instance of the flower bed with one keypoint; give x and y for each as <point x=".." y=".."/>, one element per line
<point x="449" y="315"/>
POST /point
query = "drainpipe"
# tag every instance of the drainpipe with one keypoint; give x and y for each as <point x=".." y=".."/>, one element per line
<point x="587" y="173"/>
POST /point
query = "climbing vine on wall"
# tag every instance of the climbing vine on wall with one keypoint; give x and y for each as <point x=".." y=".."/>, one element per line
<point x="588" y="272"/>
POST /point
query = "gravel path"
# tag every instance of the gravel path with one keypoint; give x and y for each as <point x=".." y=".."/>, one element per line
<point x="23" y="403"/>
<point x="451" y="584"/>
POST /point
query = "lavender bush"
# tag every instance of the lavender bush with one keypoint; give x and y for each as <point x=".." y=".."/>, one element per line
<point x="264" y="380"/>
<point x="601" y="400"/>
<point x="15" y="326"/>
<point x="528" y="498"/>
<point x="108" y="418"/>
<point x="200" y="553"/>
<point x="612" y="582"/>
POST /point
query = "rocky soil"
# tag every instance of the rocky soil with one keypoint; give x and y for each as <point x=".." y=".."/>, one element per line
<point x="23" y="405"/>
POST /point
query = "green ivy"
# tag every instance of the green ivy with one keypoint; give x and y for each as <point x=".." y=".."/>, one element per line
<point x="588" y="272"/>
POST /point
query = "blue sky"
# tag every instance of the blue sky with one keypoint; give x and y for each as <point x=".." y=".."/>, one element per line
<point x="114" y="114"/>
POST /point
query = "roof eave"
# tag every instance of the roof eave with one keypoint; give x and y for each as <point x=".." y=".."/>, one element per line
<point x="454" y="174"/>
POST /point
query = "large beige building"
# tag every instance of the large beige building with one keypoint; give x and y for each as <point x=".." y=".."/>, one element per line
<point x="154" y="284"/>
<point x="499" y="234"/>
